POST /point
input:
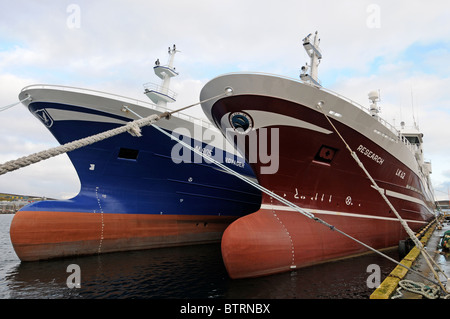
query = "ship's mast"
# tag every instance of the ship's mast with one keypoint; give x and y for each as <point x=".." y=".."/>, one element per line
<point x="374" y="96"/>
<point x="313" y="51"/>
<point x="161" y="94"/>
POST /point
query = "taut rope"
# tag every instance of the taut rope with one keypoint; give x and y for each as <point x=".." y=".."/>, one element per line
<point x="132" y="127"/>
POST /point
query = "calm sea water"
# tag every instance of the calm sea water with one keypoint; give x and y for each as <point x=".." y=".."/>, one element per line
<point x="195" y="272"/>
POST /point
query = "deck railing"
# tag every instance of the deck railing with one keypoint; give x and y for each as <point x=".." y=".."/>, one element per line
<point x="203" y="122"/>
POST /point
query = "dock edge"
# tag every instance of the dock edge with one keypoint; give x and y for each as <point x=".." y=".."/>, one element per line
<point x="388" y="287"/>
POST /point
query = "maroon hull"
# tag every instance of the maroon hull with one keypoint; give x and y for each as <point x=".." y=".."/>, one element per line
<point x="317" y="173"/>
<point x="333" y="182"/>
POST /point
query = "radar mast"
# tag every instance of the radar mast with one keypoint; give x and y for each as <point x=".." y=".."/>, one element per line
<point x="313" y="51"/>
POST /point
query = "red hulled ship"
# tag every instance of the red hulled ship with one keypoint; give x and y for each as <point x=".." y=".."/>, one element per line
<point x="283" y="128"/>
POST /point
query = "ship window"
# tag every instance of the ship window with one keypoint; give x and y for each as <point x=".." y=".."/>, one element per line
<point x="128" y="153"/>
<point x="241" y="122"/>
<point x="413" y="139"/>
<point x="325" y="154"/>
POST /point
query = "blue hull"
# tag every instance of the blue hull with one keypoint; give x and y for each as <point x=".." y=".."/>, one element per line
<point x="136" y="175"/>
<point x="133" y="194"/>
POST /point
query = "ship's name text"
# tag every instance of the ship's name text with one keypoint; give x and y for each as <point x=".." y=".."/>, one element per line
<point x="364" y="150"/>
<point x="400" y="173"/>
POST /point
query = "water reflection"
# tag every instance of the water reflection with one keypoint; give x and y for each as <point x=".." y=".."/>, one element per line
<point x="344" y="279"/>
<point x="181" y="273"/>
<point x="186" y="272"/>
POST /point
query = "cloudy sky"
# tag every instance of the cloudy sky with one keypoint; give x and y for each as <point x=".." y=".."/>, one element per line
<point x="398" y="47"/>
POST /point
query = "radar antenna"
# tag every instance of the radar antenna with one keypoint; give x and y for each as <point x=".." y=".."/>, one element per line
<point x="313" y="51"/>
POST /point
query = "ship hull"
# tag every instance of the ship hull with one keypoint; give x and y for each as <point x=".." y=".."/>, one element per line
<point x="135" y="192"/>
<point x="272" y="241"/>
<point x="52" y="234"/>
<point x="310" y="166"/>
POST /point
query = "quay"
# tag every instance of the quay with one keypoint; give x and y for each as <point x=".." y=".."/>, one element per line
<point x="430" y="238"/>
<point x="11" y="203"/>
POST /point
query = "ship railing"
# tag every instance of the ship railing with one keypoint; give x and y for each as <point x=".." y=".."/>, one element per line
<point x="160" y="89"/>
<point x="399" y="136"/>
<point x="203" y="122"/>
<point x="413" y="148"/>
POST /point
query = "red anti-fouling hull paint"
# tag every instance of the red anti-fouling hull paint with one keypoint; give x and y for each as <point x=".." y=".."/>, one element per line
<point x="38" y="235"/>
<point x="268" y="242"/>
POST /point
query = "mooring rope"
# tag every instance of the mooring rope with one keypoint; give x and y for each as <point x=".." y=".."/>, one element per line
<point x="429" y="292"/>
<point x="279" y="198"/>
<point x="132" y="127"/>
<point x="416" y="241"/>
<point x="4" y="108"/>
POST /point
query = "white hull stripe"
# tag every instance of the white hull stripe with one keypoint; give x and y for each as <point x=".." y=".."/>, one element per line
<point x="328" y="212"/>
<point x="267" y="119"/>
<point x="406" y="198"/>
<point x="66" y="115"/>
<point x="69" y="115"/>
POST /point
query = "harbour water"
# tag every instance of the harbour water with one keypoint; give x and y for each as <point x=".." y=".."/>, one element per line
<point x="194" y="272"/>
